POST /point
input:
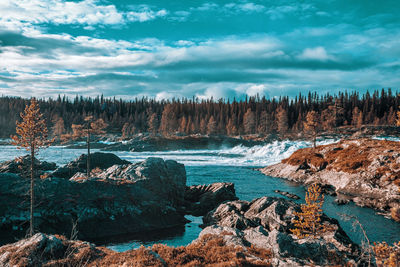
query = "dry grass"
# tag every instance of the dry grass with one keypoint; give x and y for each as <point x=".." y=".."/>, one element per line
<point x="351" y="157"/>
<point x="212" y="250"/>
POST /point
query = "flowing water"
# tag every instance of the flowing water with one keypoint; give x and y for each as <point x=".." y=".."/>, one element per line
<point x="237" y="165"/>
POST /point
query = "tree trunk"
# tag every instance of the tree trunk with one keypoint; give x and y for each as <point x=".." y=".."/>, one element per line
<point x="32" y="191"/>
<point x="88" y="154"/>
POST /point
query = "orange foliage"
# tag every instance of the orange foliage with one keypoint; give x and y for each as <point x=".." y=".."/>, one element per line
<point x="309" y="219"/>
<point x="386" y="255"/>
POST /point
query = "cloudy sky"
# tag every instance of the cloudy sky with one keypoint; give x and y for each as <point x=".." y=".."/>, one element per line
<point x="197" y="48"/>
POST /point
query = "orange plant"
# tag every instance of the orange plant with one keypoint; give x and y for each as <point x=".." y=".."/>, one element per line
<point x="308" y="222"/>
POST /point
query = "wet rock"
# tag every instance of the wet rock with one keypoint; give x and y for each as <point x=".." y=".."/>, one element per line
<point x="200" y="199"/>
<point x="287" y="194"/>
<point x="341" y="201"/>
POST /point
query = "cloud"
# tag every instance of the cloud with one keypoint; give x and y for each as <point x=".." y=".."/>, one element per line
<point x="316" y="53"/>
<point x="31" y="15"/>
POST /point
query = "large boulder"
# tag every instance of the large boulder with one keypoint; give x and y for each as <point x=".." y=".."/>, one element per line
<point x="22" y="165"/>
<point x="97" y="160"/>
<point x="128" y="199"/>
<point x="266" y="222"/>
<point x="200" y="199"/>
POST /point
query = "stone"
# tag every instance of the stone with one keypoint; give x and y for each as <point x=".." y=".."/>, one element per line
<point x="137" y="198"/>
<point x="200" y="199"/>
<point x="97" y="160"/>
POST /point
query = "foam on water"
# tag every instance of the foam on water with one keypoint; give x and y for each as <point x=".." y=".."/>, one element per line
<point x="261" y="155"/>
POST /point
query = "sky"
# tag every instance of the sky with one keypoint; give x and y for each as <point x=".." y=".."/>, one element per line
<point x="222" y="49"/>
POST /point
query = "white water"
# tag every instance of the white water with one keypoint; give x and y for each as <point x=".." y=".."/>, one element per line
<point x="237" y="156"/>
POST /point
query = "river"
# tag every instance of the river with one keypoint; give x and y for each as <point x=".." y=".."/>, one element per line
<point x="237" y="165"/>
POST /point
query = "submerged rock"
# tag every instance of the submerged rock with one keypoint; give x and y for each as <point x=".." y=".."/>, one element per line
<point x="133" y="198"/>
<point x="200" y="199"/>
<point x="366" y="170"/>
<point x="266" y="222"/>
<point x="287" y="194"/>
<point x="97" y="160"/>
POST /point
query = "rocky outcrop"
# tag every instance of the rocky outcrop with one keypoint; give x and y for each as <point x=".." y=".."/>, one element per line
<point x="22" y="165"/>
<point x="266" y="222"/>
<point x="123" y="199"/>
<point x="97" y="160"/>
<point x="49" y="250"/>
<point x="200" y="199"/>
<point x="366" y="170"/>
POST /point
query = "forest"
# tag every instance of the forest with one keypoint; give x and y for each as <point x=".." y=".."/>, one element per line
<point x="253" y="115"/>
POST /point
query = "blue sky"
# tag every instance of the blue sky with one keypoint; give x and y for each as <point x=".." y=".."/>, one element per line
<point x="199" y="48"/>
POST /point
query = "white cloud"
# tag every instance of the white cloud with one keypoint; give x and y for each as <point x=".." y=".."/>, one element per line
<point x="165" y="95"/>
<point x="27" y="14"/>
<point x="316" y="53"/>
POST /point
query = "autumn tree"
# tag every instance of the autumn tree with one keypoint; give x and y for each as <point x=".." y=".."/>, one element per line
<point x="212" y="126"/>
<point x="32" y="134"/>
<point x="312" y="125"/>
<point x="386" y="255"/>
<point x="282" y="120"/>
<point x="153" y="123"/>
<point x="249" y="121"/>
<point x="87" y="129"/>
<point x="169" y="122"/>
<point x="357" y="119"/>
<point x="58" y="128"/>
<point x="398" y="118"/>
<point x="308" y="222"/>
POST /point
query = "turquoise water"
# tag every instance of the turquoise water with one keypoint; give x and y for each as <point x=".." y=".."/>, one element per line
<point x="236" y="165"/>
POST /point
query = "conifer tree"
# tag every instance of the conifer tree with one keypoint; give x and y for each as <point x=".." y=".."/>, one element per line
<point x="312" y="125"/>
<point x="308" y="222"/>
<point x="32" y="134"/>
<point x="249" y="121"/>
<point x="87" y="129"/>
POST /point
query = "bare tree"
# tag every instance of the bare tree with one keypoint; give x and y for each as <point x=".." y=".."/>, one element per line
<point x="32" y="134"/>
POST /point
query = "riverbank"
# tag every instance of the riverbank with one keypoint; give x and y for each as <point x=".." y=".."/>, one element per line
<point x="365" y="171"/>
<point x="237" y="233"/>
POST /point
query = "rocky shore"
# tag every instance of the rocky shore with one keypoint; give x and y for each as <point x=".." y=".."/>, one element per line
<point x="365" y="171"/>
<point x="120" y="199"/>
<point x="237" y="233"/>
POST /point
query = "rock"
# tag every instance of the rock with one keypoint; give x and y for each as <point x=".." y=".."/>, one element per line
<point x="200" y="199"/>
<point x="22" y="165"/>
<point x="42" y="249"/>
<point x="97" y="160"/>
<point x="395" y="213"/>
<point x="132" y="198"/>
<point x="341" y="201"/>
<point x="287" y="194"/>
<point x="50" y="250"/>
<point x="365" y="170"/>
<point x="266" y="222"/>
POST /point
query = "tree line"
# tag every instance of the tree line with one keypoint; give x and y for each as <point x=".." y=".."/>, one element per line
<point x="253" y="115"/>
